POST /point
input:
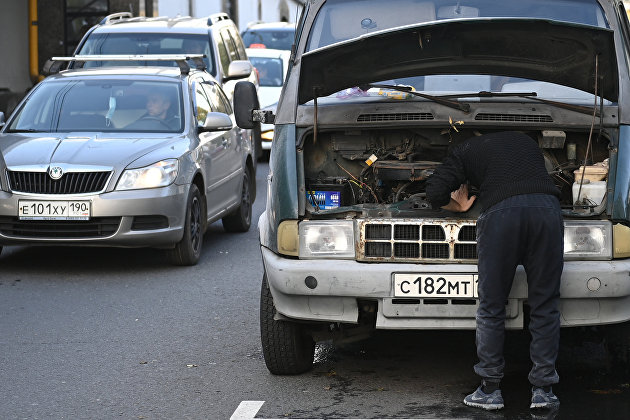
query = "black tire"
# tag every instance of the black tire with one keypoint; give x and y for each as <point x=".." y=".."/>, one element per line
<point x="618" y="346"/>
<point x="241" y="219"/>
<point x="188" y="250"/>
<point x="287" y="348"/>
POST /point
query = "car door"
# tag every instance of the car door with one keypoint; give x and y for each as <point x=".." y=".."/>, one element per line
<point x="213" y="153"/>
<point x="234" y="152"/>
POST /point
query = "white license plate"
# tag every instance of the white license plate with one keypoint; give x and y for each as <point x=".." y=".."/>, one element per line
<point x="54" y="210"/>
<point x="432" y="285"/>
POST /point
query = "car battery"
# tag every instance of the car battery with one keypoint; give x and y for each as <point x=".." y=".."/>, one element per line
<point x="326" y="196"/>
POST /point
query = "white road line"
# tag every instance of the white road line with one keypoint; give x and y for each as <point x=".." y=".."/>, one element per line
<point x="247" y="410"/>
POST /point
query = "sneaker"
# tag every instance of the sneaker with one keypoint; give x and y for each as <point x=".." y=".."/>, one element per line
<point x="542" y="399"/>
<point x="480" y="399"/>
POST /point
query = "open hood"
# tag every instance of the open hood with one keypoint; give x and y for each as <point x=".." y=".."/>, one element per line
<point x="549" y="51"/>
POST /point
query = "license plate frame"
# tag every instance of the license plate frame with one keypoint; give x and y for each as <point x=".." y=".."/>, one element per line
<point x="54" y="209"/>
<point x="435" y="285"/>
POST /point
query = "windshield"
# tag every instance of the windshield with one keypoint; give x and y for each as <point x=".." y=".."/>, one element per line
<point x="269" y="70"/>
<point x="277" y="39"/>
<point x="340" y="20"/>
<point x="146" y="43"/>
<point x="102" y="105"/>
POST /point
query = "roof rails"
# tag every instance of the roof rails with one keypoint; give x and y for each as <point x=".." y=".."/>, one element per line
<point x="115" y="16"/>
<point x="53" y="65"/>
<point x="217" y="17"/>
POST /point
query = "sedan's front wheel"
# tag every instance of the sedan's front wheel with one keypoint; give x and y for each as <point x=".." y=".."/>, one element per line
<point x="188" y="250"/>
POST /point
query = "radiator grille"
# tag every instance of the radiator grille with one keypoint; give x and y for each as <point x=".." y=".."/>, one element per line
<point x="411" y="116"/>
<point x="97" y="227"/>
<point x="426" y="240"/>
<point x="69" y="183"/>
<point x="532" y="118"/>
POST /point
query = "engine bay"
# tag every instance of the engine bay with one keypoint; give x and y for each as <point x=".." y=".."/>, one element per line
<point x="370" y="169"/>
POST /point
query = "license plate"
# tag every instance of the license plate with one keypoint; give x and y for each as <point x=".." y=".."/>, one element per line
<point x="435" y="285"/>
<point x="54" y="210"/>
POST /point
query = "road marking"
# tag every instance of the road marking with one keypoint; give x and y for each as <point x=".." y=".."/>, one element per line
<point x="247" y="410"/>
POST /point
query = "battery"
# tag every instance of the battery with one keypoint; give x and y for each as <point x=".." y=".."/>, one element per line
<point x="328" y="195"/>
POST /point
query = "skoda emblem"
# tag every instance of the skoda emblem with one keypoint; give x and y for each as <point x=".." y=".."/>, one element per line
<point x="55" y="172"/>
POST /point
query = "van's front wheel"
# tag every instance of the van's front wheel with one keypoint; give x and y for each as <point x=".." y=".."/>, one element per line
<point x="287" y="347"/>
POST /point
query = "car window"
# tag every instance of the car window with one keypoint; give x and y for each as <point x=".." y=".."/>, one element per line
<point x="278" y="39"/>
<point x="111" y="105"/>
<point x="229" y="44"/>
<point x="224" y="57"/>
<point x="340" y="20"/>
<point x="146" y="43"/>
<point x="240" y="48"/>
<point x="269" y="70"/>
<point x="218" y="103"/>
<point x="202" y="104"/>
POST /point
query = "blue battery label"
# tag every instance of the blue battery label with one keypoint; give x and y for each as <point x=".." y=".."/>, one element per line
<point x="326" y="200"/>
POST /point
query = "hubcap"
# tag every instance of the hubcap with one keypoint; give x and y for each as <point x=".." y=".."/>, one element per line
<point x="245" y="204"/>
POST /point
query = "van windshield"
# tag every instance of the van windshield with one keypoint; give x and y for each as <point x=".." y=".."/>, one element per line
<point x="146" y="43"/>
<point x="341" y="20"/>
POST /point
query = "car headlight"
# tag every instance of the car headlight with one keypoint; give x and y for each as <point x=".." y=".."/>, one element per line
<point x="267" y="135"/>
<point x="327" y="239"/>
<point x="159" y="174"/>
<point x="587" y="240"/>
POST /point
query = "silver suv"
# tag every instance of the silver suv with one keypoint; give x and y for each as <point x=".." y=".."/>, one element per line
<point x="215" y="36"/>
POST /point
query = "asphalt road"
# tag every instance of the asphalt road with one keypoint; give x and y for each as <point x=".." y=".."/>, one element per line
<point x="97" y="333"/>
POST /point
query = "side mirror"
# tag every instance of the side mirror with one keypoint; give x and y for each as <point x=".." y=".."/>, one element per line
<point x="239" y="69"/>
<point x="2" y="119"/>
<point x="245" y="102"/>
<point x="216" y="121"/>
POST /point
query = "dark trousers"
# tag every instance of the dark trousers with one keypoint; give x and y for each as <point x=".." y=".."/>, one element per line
<point x="525" y="229"/>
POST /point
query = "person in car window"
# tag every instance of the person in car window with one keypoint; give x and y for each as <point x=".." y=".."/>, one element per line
<point x="159" y="113"/>
<point x="520" y="223"/>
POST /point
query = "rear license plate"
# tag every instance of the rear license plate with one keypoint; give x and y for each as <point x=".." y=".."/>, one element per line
<point x="435" y="285"/>
<point x="54" y="210"/>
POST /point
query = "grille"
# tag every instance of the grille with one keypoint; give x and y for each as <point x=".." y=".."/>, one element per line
<point x="97" y="227"/>
<point x="412" y="116"/>
<point x="69" y="183"/>
<point x="440" y="240"/>
<point x="149" y="222"/>
<point x="533" y="118"/>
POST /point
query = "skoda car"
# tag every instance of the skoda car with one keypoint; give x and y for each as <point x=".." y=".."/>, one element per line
<point x="125" y="156"/>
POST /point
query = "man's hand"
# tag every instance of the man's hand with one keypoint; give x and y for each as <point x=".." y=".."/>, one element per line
<point x="459" y="200"/>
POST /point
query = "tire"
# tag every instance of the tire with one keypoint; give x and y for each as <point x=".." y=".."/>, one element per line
<point x="241" y="219"/>
<point x="618" y="346"/>
<point x="287" y="348"/>
<point x="188" y="250"/>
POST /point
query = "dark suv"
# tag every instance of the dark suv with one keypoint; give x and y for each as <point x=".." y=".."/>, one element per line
<point x="376" y="95"/>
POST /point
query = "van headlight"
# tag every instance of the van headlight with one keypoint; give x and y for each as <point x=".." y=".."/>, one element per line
<point x="159" y="174"/>
<point x="327" y="239"/>
<point x="587" y="240"/>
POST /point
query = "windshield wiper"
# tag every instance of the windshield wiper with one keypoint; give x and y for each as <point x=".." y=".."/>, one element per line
<point x="26" y="130"/>
<point x="438" y="99"/>
<point x="527" y="95"/>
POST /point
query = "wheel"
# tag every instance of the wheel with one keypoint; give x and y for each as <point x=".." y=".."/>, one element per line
<point x="241" y="218"/>
<point x="287" y="348"/>
<point x="618" y="345"/>
<point x="188" y="250"/>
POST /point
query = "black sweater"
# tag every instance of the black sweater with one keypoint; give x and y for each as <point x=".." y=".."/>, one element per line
<point x="500" y="165"/>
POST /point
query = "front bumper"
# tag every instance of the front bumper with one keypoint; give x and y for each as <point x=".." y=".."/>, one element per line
<point x="341" y="283"/>
<point x="169" y="202"/>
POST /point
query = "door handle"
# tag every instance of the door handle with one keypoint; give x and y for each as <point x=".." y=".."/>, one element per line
<point x="225" y="143"/>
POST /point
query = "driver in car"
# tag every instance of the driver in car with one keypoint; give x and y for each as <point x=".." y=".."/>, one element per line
<point x="159" y="113"/>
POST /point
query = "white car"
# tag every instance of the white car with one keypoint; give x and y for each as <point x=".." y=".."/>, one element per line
<point x="271" y="66"/>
